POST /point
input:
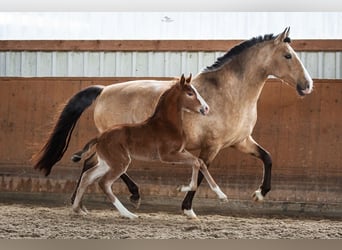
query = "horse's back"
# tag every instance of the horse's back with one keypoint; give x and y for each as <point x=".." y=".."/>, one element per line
<point x="128" y="102"/>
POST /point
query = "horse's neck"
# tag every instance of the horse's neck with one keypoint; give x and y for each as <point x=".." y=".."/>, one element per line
<point x="246" y="76"/>
<point x="169" y="110"/>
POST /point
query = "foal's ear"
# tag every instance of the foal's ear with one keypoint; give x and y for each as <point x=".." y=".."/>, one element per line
<point x="182" y="80"/>
<point x="283" y="36"/>
<point x="188" y="80"/>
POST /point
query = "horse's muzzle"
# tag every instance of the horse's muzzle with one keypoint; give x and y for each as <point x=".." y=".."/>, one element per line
<point x="307" y="89"/>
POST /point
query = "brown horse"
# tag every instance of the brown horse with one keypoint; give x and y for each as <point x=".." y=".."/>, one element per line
<point x="231" y="86"/>
<point x="159" y="138"/>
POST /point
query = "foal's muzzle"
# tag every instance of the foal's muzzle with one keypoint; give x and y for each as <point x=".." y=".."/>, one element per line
<point x="204" y="110"/>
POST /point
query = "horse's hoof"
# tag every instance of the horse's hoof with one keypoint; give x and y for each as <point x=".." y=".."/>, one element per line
<point x="257" y="196"/>
<point x="135" y="202"/>
<point x="190" y="214"/>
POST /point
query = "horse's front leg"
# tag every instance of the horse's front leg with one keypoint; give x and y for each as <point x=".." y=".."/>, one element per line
<point x="249" y="146"/>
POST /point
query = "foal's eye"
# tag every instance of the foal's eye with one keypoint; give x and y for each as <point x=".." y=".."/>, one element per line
<point x="190" y="94"/>
<point x="288" y="56"/>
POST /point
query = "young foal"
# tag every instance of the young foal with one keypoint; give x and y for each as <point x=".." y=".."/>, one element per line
<point x="159" y="138"/>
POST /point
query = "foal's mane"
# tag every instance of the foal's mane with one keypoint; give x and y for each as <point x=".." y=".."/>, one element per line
<point x="220" y="61"/>
<point x="163" y="96"/>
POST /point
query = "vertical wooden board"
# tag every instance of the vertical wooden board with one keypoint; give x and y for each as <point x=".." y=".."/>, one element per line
<point x="338" y="65"/>
<point x="330" y="142"/>
<point x="191" y="63"/>
<point x="329" y="70"/>
<point x="5" y="110"/>
<point x="157" y="64"/>
<point x="123" y="64"/>
<point x="14" y="125"/>
<point x="44" y="64"/>
<point x="29" y="64"/>
<point x="13" y="64"/>
<point x="141" y="64"/>
<point x="311" y="64"/>
<point x="61" y="65"/>
<point x="109" y="64"/>
<point x="2" y="63"/>
<point x="76" y="63"/>
<point x="173" y="64"/>
<point x="208" y="58"/>
<point x="92" y="67"/>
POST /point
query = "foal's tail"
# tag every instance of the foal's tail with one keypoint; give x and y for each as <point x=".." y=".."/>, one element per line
<point x="85" y="152"/>
<point x="59" y="139"/>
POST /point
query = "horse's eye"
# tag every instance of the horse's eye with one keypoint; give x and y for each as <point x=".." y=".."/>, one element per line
<point x="190" y="94"/>
<point x="288" y="56"/>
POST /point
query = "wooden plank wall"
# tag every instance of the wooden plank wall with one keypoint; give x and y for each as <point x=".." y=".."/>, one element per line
<point x="302" y="134"/>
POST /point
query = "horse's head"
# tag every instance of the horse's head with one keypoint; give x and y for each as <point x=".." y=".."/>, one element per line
<point x="286" y="65"/>
<point x="191" y="100"/>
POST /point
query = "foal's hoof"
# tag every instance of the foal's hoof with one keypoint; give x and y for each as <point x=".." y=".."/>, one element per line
<point x="80" y="211"/>
<point x="223" y="200"/>
<point x="257" y="196"/>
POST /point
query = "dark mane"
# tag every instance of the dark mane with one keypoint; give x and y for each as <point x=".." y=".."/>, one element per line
<point x="237" y="50"/>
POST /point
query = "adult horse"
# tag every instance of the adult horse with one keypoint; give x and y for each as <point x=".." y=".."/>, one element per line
<point x="231" y="87"/>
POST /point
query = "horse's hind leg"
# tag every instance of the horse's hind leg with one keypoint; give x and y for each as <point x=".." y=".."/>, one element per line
<point x="88" y="177"/>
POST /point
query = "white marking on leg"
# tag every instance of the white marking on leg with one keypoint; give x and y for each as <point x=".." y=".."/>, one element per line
<point x="122" y="210"/>
<point x="258" y="196"/>
<point x="190" y="213"/>
<point x="220" y="194"/>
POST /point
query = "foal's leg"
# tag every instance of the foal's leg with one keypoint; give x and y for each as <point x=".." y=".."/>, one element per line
<point x="106" y="185"/>
<point x="207" y="155"/>
<point x="88" y="163"/>
<point x="88" y="178"/>
<point x="249" y="146"/>
<point x="212" y="182"/>
<point x="185" y="158"/>
<point x="132" y="186"/>
<point x="133" y="189"/>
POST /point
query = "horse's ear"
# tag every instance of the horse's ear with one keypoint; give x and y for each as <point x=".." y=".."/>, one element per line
<point x="188" y="80"/>
<point x="283" y="36"/>
<point x="182" y="80"/>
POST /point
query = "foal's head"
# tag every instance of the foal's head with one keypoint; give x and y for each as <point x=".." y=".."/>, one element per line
<point x="190" y="99"/>
<point x="286" y="65"/>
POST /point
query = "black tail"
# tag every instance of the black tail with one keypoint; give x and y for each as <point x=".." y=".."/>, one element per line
<point x="59" y="139"/>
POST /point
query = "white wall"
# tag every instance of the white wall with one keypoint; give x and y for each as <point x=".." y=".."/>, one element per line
<point x="153" y="25"/>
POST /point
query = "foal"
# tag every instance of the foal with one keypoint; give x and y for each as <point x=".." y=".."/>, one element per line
<point x="159" y="138"/>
